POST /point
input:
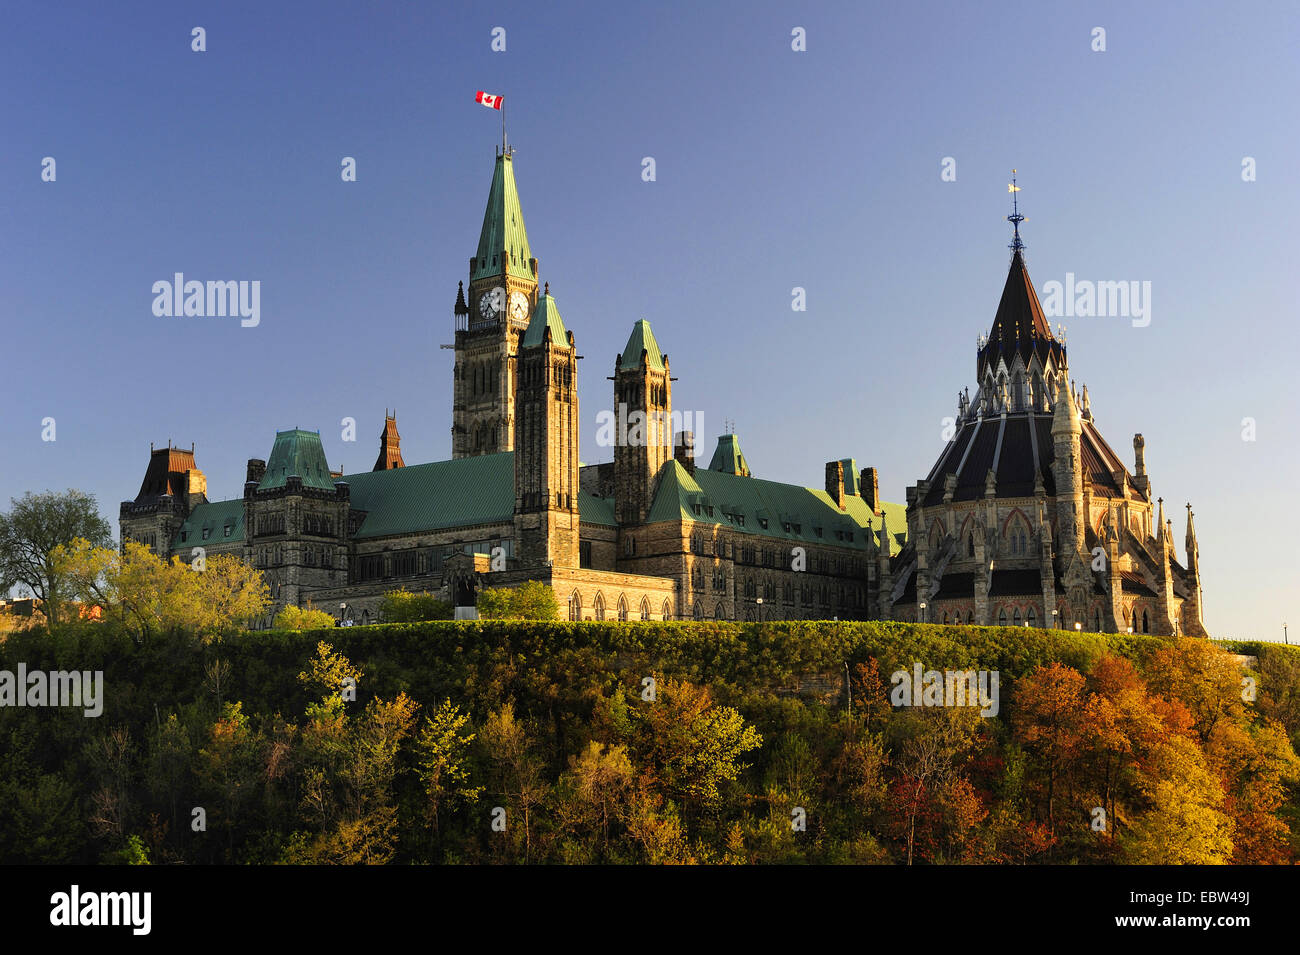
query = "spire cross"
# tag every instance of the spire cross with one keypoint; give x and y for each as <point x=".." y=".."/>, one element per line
<point x="1015" y="218"/>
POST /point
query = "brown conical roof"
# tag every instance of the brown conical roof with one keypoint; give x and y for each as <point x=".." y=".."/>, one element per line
<point x="1019" y="327"/>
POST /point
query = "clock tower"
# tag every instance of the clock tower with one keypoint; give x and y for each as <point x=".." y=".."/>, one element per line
<point x="491" y="318"/>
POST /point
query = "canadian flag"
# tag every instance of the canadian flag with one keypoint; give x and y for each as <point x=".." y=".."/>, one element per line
<point x="488" y="100"/>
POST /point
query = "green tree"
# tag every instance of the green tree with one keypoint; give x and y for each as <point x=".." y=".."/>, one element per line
<point x="442" y="760"/>
<point x="532" y="600"/>
<point x="402" y="606"/>
<point x="36" y="526"/>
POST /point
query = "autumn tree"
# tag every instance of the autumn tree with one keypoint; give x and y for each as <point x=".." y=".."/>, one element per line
<point x="442" y="751"/>
<point x="31" y="533"/>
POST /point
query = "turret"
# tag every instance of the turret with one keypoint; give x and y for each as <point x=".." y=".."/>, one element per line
<point x="1067" y="468"/>
<point x="643" y="410"/>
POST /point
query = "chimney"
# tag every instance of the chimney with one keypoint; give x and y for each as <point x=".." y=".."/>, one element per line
<point x="835" y="482"/>
<point x="256" y="471"/>
<point x="684" y="450"/>
<point x="871" y="489"/>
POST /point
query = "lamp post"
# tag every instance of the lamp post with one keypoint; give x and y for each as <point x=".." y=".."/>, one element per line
<point x="1054" y="616"/>
<point x="1285" y="639"/>
<point x="759" y="602"/>
<point x="1078" y="625"/>
<point x="921" y="605"/>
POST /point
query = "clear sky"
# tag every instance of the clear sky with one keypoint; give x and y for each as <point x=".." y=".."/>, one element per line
<point x="775" y="169"/>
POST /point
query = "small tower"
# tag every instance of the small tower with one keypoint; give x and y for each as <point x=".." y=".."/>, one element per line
<point x="546" y="446"/>
<point x="1067" y="468"/>
<point x="643" y="408"/>
<point x="490" y="320"/>
<point x="390" y="446"/>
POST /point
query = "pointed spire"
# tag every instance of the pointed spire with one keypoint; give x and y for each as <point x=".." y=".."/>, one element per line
<point x="546" y="317"/>
<point x="1065" y="416"/>
<point x="461" y="307"/>
<point x="503" y="235"/>
<point x="641" y="340"/>
<point x="1019" y="327"/>
<point x="1017" y="247"/>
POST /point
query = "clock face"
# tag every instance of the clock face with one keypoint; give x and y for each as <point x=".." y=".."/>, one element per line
<point x="492" y="303"/>
<point x="518" y="306"/>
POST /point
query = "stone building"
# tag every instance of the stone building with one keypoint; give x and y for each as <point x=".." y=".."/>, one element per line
<point x="1029" y="516"/>
<point x="646" y="536"/>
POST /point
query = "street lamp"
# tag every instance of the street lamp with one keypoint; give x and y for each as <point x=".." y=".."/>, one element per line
<point x="922" y="606"/>
<point x="1078" y="625"/>
<point x="759" y="601"/>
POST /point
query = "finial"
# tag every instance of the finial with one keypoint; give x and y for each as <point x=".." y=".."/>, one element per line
<point x="546" y="288"/>
<point x="1015" y="218"/>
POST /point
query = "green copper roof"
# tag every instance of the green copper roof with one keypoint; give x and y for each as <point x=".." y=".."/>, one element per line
<point x="503" y="228"/>
<point x="641" y="339"/>
<point x="456" y="493"/>
<point x="791" y="512"/>
<point x="728" y="457"/>
<point x="545" y="315"/>
<point x="223" y="520"/>
<point x="297" y="453"/>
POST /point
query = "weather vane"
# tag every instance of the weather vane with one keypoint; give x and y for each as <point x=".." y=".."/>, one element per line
<point x="1015" y="218"/>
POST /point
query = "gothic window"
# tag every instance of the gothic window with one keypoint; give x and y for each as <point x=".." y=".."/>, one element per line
<point x="645" y="608"/>
<point x="719" y="612"/>
<point x="1015" y="617"/>
<point x="751" y="589"/>
<point x="970" y="545"/>
<point x="667" y="610"/>
<point x="970" y="616"/>
<point x="622" y="608"/>
<point x="698" y="613"/>
<point x="1135" y="620"/>
<point x="1096" y="620"/>
<point x="1002" y="617"/>
<point x="575" y="606"/>
<point x="945" y="618"/>
<point x="1031" y="618"/>
<point x="1146" y="626"/>
<point x="598" y="606"/>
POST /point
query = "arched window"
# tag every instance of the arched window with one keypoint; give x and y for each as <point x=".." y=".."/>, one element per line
<point x="720" y="612"/>
<point x="970" y="545"/>
<point x="645" y="608"/>
<point x="1015" y="618"/>
<point x="970" y="616"/>
<point x="622" y="608"/>
<point x="668" y="610"/>
<point x="698" y="613"/>
<point x="1135" y="620"/>
<point x="575" y="606"/>
<point x="1031" y="618"/>
<point x="1146" y="626"/>
<point x="598" y="606"/>
<point x="1002" y="618"/>
<point x="1096" y="621"/>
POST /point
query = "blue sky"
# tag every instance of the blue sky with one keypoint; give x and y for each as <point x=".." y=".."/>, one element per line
<point x="775" y="169"/>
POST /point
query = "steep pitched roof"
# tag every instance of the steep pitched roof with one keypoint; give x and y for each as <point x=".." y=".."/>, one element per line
<point x="223" y="520"/>
<point x="457" y="493"/>
<point x="297" y="453"/>
<point x="1019" y="327"/>
<point x="790" y="512"/>
<point x="545" y="315"/>
<point x="728" y="458"/>
<point x="641" y="339"/>
<point x="165" y="474"/>
<point x="503" y="227"/>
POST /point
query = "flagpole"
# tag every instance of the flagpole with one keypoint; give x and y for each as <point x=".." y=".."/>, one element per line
<point x="503" y="125"/>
